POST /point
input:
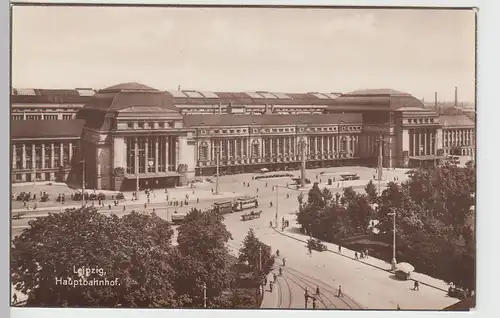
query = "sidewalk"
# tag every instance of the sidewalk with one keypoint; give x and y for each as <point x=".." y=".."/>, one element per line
<point x="270" y="299"/>
<point x="371" y="261"/>
<point x="158" y="197"/>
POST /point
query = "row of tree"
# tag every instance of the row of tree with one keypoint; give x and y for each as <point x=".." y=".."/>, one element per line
<point x="131" y="261"/>
<point x="434" y="219"/>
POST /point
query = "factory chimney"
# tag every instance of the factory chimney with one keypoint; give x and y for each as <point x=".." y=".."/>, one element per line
<point x="436" y="101"/>
<point x="456" y="96"/>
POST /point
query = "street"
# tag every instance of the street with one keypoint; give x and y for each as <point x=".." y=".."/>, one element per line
<point x="363" y="286"/>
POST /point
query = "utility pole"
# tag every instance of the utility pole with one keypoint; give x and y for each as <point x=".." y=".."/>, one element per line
<point x="137" y="151"/>
<point x="380" y="161"/>
<point x="393" y="262"/>
<point x="204" y="295"/>
<point x="277" y="202"/>
<point x="83" y="182"/>
<point x="260" y="267"/>
<point x="303" y="164"/>
<point x="217" y="159"/>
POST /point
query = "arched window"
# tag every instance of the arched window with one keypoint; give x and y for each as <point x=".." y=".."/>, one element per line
<point x="343" y="144"/>
<point x="255" y="148"/>
<point x="203" y="151"/>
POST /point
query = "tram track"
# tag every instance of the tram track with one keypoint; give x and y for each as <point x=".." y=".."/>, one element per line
<point x="309" y="280"/>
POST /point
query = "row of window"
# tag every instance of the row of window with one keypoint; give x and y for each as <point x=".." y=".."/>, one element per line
<point x="149" y="125"/>
<point x="40" y="117"/>
<point x="281" y="130"/>
<point x="420" y="120"/>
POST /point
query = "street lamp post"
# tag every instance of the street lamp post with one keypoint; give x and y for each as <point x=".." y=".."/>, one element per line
<point x="393" y="262"/>
<point x="204" y="295"/>
<point x="277" y="202"/>
<point x="83" y="182"/>
<point x="217" y="159"/>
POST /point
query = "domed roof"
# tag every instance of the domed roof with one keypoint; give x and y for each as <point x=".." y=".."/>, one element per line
<point x="377" y="91"/>
<point x="128" y="87"/>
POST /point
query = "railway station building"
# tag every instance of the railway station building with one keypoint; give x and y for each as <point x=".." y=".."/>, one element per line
<point x="132" y="136"/>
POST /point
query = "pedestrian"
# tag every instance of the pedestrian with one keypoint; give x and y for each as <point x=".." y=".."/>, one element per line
<point x="281" y="271"/>
<point x="340" y="292"/>
<point x="270" y="223"/>
<point x="266" y="184"/>
<point x="314" y="303"/>
<point x="317" y="290"/>
<point x="109" y="206"/>
<point x="398" y="308"/>
<point x="283" y="262"/>
<point x="278" y="253"/>
<point x="366" y="253"/>
<point x="145" y="205"/>
<point x="197" y="200"/>
<point x="306" y="296"/>
<point x="248" y="185"/>
<point x="415" y="286"/>
<point x="274" y="277"/>
<point x="154" y="210"/>
<point x="271" y="287"/>
<point x="257" y="190"/>
<point x="271" y="204"/>
<point x="340" y="249"/>
<point x="361" y="255"/>
<point x="123" y="208"/>
<point x="356" y="255"/>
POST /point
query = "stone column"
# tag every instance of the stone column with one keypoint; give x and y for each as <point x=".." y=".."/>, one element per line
<point x="14" y="154"/>
<point x="43" y="155"/>
<point x="23" y="158"/>
<point x="146" y="155"/>
<point x="156" y="153"/>
<point x="167" y="158"/>
<point x="70" y="152"/>
<point x="61" y="154"/>
<point x="52" y="155"/>
<point x="270" y="147"/>
<point x="33" y="156"/>
<point x="426" y="142"/>
<point x="177" y="153"/>
<point x="136" y="156"/>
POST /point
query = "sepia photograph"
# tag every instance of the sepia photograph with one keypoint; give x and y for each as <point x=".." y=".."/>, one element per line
<point x="243" y="157"/>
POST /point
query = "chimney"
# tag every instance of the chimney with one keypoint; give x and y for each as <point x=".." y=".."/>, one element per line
<point x="436" y="101"/>
<point x="456" y="96"/>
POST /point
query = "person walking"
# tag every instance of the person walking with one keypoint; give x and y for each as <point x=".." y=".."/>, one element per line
<point x="416" y="286"/>
<point x="274" y="278"/>
<point x="340" y="249"/>
<point x="317" y="290"/>
<point x="356" y="255"/>
<point x="283" y="261"/>
<point x="340" y="292"/>
<point x="271" y="287"/>
<point x="306" y="297"/>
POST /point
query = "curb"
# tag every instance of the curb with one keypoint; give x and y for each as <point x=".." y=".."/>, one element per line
<point x="375" y="266"/>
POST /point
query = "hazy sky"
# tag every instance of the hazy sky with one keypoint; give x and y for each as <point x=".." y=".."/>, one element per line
<point x="282" y="50"/>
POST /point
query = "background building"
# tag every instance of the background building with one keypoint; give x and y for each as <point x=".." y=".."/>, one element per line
<point x="133" y="136"/>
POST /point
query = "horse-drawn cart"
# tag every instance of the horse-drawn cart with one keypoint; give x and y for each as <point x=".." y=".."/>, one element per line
<point x="251" y="215"/>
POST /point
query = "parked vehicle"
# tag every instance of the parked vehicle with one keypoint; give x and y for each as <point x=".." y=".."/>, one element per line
<point x="120" y="196"/>
<point x="315" y="244"/>
<point x="404" y="270"/>
<point x="457" y="292"/>
<point x="44" y="198"/>
<point x="251" y="215"/>
<point x="18" y="216"/>
<point x="178" y="218"/>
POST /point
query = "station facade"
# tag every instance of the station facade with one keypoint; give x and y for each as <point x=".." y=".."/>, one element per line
<point x="132" y="136"/>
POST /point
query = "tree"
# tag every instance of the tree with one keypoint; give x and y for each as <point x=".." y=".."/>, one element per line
<point x="47" y="255"/>
<point x="202" y="257"/>
<point x="254" y="252"/>
<point x="432" y="212"/>
<point x="371" y="191"/>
